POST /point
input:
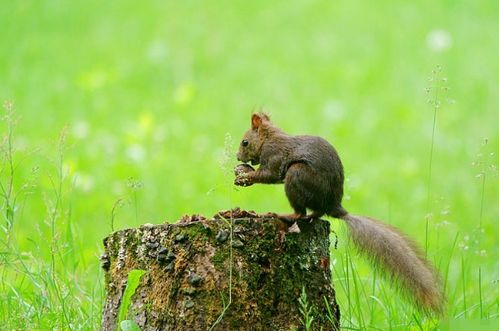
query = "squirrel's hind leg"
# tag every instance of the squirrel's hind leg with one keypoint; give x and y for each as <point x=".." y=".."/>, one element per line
<point x="291" y="218"/>
<point x="296" y="191"/>
<point x="315" y="215"/>
<point x="300" y="191"/>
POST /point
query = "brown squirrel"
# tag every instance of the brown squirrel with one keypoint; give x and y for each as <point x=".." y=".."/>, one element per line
<point x="312" y="173"/>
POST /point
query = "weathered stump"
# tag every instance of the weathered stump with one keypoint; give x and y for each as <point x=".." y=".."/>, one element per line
<point x="191" y="267"/>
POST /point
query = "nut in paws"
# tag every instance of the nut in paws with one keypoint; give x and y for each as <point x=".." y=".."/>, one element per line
<point x="243" y="180"/>
<point x="243" y="168"/>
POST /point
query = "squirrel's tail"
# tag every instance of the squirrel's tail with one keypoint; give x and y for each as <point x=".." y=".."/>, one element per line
<point x="404" y="261"/>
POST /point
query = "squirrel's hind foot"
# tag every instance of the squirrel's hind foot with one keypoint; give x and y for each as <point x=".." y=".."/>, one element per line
<point x="292" y="218"/>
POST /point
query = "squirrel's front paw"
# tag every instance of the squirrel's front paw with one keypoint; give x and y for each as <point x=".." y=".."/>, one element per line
<point x="242" y="172"/>
<point x="243" y="180"/>
<point x="243" y="168"/>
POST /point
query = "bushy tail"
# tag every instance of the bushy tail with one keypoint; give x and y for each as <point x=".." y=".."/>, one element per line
<point x="404" y="261"/>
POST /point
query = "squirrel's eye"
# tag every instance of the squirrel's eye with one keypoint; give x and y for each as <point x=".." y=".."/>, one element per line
<point x="244" y="143"/>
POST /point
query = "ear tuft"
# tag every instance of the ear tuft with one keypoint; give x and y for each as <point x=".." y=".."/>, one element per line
<point x="257" y="119"/>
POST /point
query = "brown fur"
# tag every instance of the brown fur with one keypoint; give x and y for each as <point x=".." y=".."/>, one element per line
<point x="313" y="177"/>
<point x="404" y="261"/>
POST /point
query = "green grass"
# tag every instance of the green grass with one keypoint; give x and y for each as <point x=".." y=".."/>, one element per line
<point x="148" y="91"/>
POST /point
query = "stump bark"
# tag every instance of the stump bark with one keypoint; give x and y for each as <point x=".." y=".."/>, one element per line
<point x="197" y="267"/>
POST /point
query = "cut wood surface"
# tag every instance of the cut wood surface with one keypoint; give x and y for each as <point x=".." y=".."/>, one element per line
<point x="200" y="275"/>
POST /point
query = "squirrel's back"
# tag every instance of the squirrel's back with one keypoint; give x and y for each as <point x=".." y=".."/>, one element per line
<point x="320" y="154"/>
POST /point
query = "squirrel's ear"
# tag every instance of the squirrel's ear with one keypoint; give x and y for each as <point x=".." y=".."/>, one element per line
<point x="256" y="121"/>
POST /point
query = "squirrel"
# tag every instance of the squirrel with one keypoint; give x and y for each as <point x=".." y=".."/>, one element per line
<point x="313" y="177"/>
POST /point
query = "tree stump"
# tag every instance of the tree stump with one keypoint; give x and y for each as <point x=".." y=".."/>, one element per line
<point x="200" y="275"/>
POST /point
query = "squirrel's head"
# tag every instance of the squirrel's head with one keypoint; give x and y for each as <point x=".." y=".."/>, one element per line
<point x="251" y="144"/>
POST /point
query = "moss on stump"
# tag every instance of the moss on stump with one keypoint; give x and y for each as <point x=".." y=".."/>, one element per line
<point x="188" y="267"/>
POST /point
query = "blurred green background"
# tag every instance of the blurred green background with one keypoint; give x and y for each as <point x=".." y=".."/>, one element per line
<point x="153" y="97"/>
